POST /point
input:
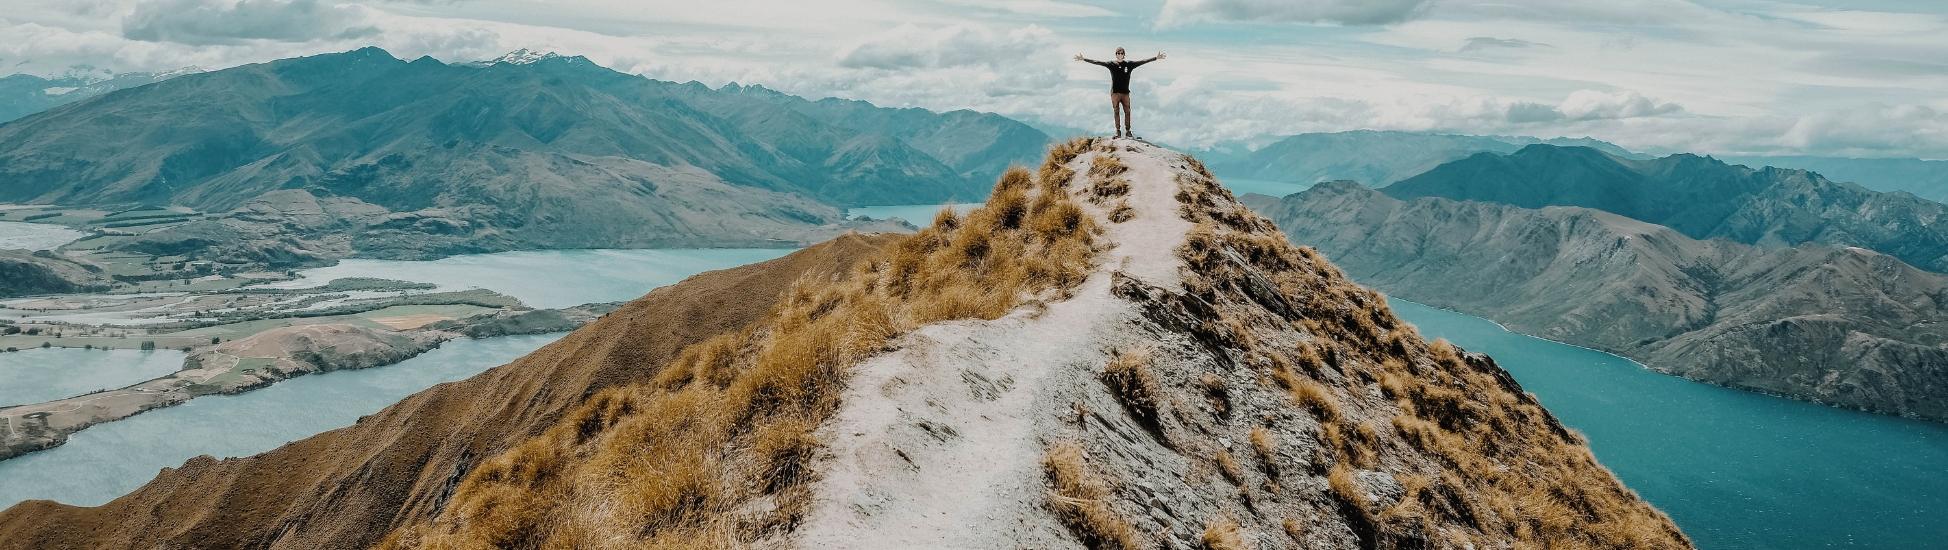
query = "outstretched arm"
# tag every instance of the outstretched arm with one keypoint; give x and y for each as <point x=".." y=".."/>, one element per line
<point x="1079" y="57"/>
<point x="1159" y="56"/>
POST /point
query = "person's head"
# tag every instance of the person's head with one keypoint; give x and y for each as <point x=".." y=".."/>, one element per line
<point x="1119" y="54"/>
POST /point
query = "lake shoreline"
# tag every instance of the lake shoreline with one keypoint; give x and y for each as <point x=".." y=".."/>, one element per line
<point x="265" y="358"/>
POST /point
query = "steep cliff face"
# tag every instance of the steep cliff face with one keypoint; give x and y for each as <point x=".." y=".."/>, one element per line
<point x="1837" y="325"/>
<point x="1112" y="353"/>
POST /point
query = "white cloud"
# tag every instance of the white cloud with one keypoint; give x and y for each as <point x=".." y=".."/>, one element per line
<point x="1595" y="105"/>
<point x="910" y="47"/>
<point x="1483" y="43"/>
<point x="207" y="22"/>
<point x="1346" y="12"/>
<point x="1767" y="78"/>
<point x="1870" y="130"/>
<point x="1048" y="8"/>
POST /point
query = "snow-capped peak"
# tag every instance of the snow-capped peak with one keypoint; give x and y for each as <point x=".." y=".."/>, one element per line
<point x="525" y="56"/>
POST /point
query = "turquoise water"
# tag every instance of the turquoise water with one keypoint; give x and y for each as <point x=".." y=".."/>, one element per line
<point x="1734" y="469"/>
<point x="35" y="236"/>
<point x="109" y="460"/>
<point x="37" y="375"/>
<point x="917" y="214"/>
<point x="551" y="278"/>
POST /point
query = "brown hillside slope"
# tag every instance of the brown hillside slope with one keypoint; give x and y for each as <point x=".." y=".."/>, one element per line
<point x="1201" y="383"/>
<point x="347" y="488"/>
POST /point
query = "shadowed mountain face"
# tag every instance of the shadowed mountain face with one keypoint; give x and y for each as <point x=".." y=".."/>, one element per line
<point x="24" y="94"/>
<point x="1700" y="197"/>
<point x="978" y="146"/>
<point x="1835" y="325"/>
<point x="332" y="122"/>
<point x="359" y="153"/>
<point x="1375" y="158"/>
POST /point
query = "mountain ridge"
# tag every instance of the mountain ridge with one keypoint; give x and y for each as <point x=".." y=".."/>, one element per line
<point x="1701" y="197"/>
<point x="1110" y="352"/>
<point x="554" y="152"/>
<point x="1834" y="325"/>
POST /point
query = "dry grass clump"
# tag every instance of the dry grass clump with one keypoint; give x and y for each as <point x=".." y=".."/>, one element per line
<point x="1264" y="445"/>
<point x="1055" y="171"/>
<point x="1480" y="459"/>
<point x="1081" y="500"/>
<point x="1216" y="392"/>
<point x="1122" y="213"/>
<point x="1130" y="380"/>
<point x="1223" y="533"/>
<point x="714" y="452"/>
<point x="1105" y="177"/>
<point x="1230" y="468"/>
<point x="1293" y="529"/>
<point x="1318" y="400"/>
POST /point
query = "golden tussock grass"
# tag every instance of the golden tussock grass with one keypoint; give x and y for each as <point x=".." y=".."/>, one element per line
<point x="1293" y="529"/>
<point x="715" y="451"/>
<point x="1223" y="533"/>
<point x="1481" y="460"/>
<point x="1228" y="466"/>
<point x="1216" y="392"/>
<point x="1129" y="379"/>
<point x="1105" y="177"/>
<point x="1264" y="445"/>
<point x="1122" y="213"/>
<point x="1081" y="500"/>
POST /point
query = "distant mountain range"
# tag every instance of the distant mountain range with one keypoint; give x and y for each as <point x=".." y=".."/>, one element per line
<point x="1927" y="179"/>
<point x="24" y="94"/>
<point x="1373" y="157"/>
<point x="1700" y="197"/>
<point x="1830" y="324"/>
<point x="1380" y="159"/>
<point x="423" y="158"/>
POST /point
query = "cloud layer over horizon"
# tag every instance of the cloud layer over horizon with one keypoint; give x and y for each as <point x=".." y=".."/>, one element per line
<point x="1728" y="77"/>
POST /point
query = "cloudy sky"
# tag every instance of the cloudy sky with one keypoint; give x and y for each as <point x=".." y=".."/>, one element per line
<point x="1827" y="77"/>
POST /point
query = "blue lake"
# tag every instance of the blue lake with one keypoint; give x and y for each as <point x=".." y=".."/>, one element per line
<point x="109" y="460"/>
<point x="37" y="375"/>
<point x="35" y="236"/>
<point x="1734" y="469"/>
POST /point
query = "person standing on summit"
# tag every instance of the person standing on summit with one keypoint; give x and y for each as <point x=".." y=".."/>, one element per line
<point x="1119" y="88"/>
